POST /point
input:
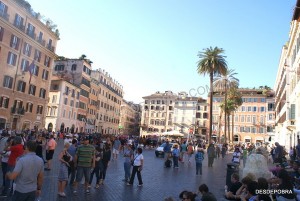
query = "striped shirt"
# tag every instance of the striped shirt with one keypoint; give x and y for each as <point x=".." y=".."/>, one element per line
<point x="85" y="155"/>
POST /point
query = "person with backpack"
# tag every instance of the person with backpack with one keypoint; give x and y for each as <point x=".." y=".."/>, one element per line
<point x="199" y="157"/>
<point x="190" y="151"/>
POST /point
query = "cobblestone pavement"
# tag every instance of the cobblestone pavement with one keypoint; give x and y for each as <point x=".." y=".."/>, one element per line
<point x="159" y="182"/>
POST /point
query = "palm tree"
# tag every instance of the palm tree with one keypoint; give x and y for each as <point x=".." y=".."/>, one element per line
<point x="212" y="62"/>
<point x="223" y="83"/>
<point x="234" y="102"/>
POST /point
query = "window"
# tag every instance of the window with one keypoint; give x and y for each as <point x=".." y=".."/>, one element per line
<point x="270" y="117"/>
<point x="261" y="130"/>
<point x="14" y="42"/>
<point x="253" y="119"/>
<point x="35" y="70"/>
<point x="253" y="130"/>
<point x="30" y="30"/>
<point x="37" y="55"/>
<point x="254" y="109"/>
<point x="60" y="67"/>
<point x="31" y="90"/>
<point x="78" y="94"/>
<point x="24" y="64"/>
<point x="67" y="90"/>
<point x="73" y="68"/>
<point x="249" y="109"/>
<point x="1" y="33"/>
<point x="45" y="74"/>
<point x="21" y="86"/>
<point x="11" y="58"/>
<point x="47" y="61"/>
<point x="3" y="10"/>
<point x="248" y="118"/>
<point x="73" y="93"/>
<point x="158" y="102"/>
<point x="66" y="101"/>
<point x="4" y="101"/>
<point x="84" y="93"/>
<point x="243" y="109"/>
<point x="242" y="118"/>
<point x="8" y="81"/>
<point x="29" y="107"/>
<point x="39" y="109"/>
<point x="54" y="98"/>
<point x="262" y="100"/>
<point x="27" y="49"/>
<point x="255" y="100"/>
<point x="71" y="103"/>
<point x="262" y="109"/>
<point x="42" y="93"/>
<point x="86" y="70"/>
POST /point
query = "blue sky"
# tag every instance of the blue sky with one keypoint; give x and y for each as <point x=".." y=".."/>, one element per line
<point x="151" y="46"/>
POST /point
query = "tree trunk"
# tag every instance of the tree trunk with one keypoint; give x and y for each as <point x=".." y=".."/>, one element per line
<point x="225" y="110"/>
<point x="228" y="123"/>
<point x="211" y="106"/>
<point x="232" y="125"/>
<point x="219" y="125"/>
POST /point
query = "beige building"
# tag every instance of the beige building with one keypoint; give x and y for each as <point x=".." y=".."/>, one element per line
<point x="62" y="107"/>
<point x="77" y="72"/>
<point x="110" y="97"/>
<point x="130" y="118"/>
<point x="287" y="86"/>
<point x="201" y="119"/>
<point x="93" y="107"/>
<point x="158" y="113"/>
<point x="25" y="42"/>
<point x="253" y="120"/>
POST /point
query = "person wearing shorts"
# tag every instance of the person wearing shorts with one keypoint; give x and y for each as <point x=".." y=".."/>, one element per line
<point x="51" y="145"/>
<point x="85" y="161"/>
<point x="116" y="148"/>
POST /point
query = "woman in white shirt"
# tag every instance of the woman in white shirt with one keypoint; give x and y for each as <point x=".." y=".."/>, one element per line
<point x="138" y="162"/>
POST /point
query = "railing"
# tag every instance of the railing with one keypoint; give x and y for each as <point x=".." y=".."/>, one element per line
<point x="31" y="34"/>
<point x="18" y="111"/>
<point x="50" y="47"/>
<point x="4" y="16"/>
<point x="41" y="41"/>
<point x="20" y="26"/>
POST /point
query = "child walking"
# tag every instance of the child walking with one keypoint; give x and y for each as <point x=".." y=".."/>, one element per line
<point x="199" y="157"/>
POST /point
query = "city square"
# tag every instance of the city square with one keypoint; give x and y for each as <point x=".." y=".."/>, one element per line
<point x="215" y="93"/>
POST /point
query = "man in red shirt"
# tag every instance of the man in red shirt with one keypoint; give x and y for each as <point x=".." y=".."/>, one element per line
<point x="16" y="150"/>
<point x="51" y="145"/>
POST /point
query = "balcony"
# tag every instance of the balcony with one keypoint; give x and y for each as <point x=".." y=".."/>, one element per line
<point x="18" y="111"/>
<point x="50" y="47"/>
<point x="20" y="26"/>
<point x="4" y="16"/>
<point x="41" y="41"/>
<point x="31" y="34"/>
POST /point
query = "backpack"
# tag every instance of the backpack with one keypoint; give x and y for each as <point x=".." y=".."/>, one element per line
<point x="168" y="163"/>
<point x="199" y="157"/>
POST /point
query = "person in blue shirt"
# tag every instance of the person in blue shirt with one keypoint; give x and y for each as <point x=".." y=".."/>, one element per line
<point x="175" y="154"/>
<point x="167" y="150"/>
<point x="199" y="157"/>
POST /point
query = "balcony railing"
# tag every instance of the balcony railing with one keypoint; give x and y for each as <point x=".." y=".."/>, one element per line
<point x="50" y="47"/>
<point x="31" y="34"/>
<point x="18" y="111"/>
<point x="20" y="26"/>
<point x="4" y="16"/>
<point x="41" y="41"/>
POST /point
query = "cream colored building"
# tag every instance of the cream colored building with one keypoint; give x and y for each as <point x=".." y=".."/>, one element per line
<point x="110" y="97"/>
<point x="184" y="119"/>
<point x="158" y="113"/>
<point x="287" y="86"/>
<point x="62" y="108"/>
<point x="201" y="119"/>
<point x="24" y="39"/>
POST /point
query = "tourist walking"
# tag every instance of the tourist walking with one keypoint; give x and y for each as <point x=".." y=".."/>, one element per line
<point x="211" y="154"/>
<point x="85" y="161"/>
<point x="104" y="162"/>
<point x="64" y="158"/>
<point x="128" y="156"/>
<point x="175" y="154"/>
<point x="236" y="156"/>
<point x="223" y="151"/>
<point x="190" y="151"/>
<point x="116" y="148"/>
<point x="96" y="170"/>
<point x="278" y="153"/>
<point x="138" y="162"/>
<point x="72" y="169"/>
<point x="39" y="149"/>
<point x="50" y="147"/>
<point x="183" y="150"/>
<point x="199" y="157"/>
<point x="28" y="175"/>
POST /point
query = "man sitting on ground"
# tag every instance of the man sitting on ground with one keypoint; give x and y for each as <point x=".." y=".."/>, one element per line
<point x="235" y="185"/>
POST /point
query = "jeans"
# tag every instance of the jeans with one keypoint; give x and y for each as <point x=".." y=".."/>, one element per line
<point x="96" y="171"/>
<point x="4" y="171"/>
<point x="135" y="170"/>
<point x="83" y="171"/>
<point x="103" y="171"/>
<point x="127" y="167"/>
<point x="175" y="161"/>
<point x="24" y="196"/>
<point x="8" y="183"/>
<point x="210" y="161"/>
<point x="198" y="168"/>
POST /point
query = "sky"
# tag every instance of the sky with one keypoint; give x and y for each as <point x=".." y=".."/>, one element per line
<point x="152" y="45"/>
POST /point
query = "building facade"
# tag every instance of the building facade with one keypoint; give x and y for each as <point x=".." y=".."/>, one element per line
<point x="27" y="52"/>
<point x="253" y="121"/>
<point x="201" y="119"/>
<point x="185" y="114"/>
<point x="287" y="86"/>
<point x="158" y="113"/>
<point x="130" y="118"/>
<point x="110" y="97"/>
<point x="62" y="107"/>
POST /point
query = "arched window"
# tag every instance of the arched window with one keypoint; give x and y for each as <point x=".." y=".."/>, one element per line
<point x="235" y="138"/>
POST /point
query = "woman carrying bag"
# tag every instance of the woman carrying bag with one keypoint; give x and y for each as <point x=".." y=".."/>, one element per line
<point x="138" y="162"/>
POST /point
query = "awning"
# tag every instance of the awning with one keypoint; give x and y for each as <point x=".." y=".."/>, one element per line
<point x="247" y="137"/>
<point x="259" y="138"/>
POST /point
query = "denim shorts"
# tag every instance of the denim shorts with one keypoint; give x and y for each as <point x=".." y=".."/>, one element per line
<point x="83" y="171"/>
